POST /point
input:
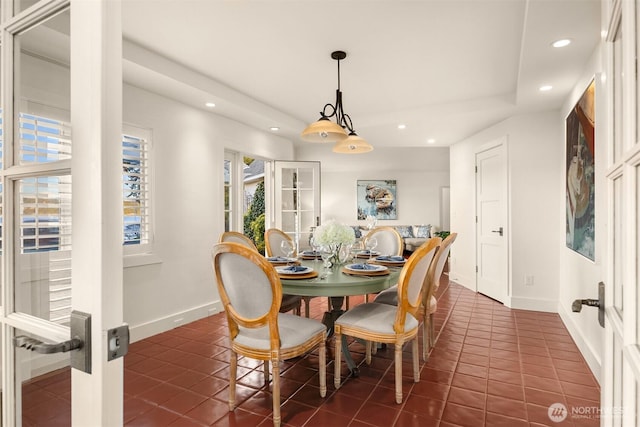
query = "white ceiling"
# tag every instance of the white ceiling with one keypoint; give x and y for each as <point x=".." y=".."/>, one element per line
<point x="446" y="69"/>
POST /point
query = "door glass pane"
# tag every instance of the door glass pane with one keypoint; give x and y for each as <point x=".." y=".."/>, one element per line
<point x="617" y="97"/>
<point x="43" y="387"/>
<point x="43" y="247"/>
<point x="227" y="195"/>
<point x="618" y="207"/>
<point x="42" y="92"/>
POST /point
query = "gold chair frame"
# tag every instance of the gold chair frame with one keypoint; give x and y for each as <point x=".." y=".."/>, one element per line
<point x="275" y="354"/>
<point x="399" y="335"/>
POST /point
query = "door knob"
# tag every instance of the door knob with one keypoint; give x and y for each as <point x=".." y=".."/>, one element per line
<point x="499" y="230"/>
<point x="576" y="307"/>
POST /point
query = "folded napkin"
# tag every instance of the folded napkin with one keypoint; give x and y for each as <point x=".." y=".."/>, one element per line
<point x="277" y="259"/>
<point x="394" y="258"/>
<point x="366" y="252"/>
<point x="362" y="267"/>
<point x="294" y="268"/>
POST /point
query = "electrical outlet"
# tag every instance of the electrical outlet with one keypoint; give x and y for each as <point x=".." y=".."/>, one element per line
<point x="528" y="280"/>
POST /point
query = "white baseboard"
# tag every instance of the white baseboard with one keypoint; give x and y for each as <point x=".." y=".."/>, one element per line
<point x="145" y="330"/>
<point x="467" y="282"/>
<point x="535" y="304"/>
<point x="593" y="360"/>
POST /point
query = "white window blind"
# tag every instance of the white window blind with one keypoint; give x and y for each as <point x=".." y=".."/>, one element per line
<point x="136" y="192"/>
<point x="43" y="139"/>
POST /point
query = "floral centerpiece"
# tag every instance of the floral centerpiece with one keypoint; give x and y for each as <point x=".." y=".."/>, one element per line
<point x="334" y="236"/>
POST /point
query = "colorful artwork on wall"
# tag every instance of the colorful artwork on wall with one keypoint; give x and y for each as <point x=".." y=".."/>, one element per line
<point x="377" y="198"/>
<point x="580" y="178"/>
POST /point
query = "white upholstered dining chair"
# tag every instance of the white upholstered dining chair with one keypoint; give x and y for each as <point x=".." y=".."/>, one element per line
<point x="289" y="302"/>
<point x="384" y="323"/>
<point x="251" y="292"/>
<point x="273" y="238"/>
<point x="429" y="302"/>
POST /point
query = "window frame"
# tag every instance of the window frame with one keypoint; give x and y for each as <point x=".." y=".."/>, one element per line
<point x="142" y="250"/>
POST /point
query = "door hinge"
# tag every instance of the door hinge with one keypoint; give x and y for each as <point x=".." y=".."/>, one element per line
<point x="476" y="169"/>
<point x="476" y="268"/>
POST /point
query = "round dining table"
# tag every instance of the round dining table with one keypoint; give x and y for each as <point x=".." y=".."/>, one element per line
<point x="336" y="285"/>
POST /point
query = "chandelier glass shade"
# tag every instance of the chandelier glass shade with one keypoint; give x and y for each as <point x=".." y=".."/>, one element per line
<point x="352" y="145"/>
<point x="341" y="131"/>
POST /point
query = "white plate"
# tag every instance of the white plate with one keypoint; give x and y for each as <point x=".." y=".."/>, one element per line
<point x="374" y="268"/>
<point x="366" y="253"/>
<point x="281" y="259"/>
<point x="283" y="270"/>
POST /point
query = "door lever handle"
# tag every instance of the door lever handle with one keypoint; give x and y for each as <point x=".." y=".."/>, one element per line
<point x="499" y="230"/>
<point x="38" y="346"/>
<point x="576" y="307"/>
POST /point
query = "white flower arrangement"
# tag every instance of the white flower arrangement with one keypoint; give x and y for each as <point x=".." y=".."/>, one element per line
<point x="333" y="234"/>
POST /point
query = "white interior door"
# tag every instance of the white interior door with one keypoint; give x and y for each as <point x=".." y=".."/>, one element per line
<point x="294" y="205"/>
<point x="491" y="222"/>
<point x="48" y="165"/>
<point x="621" y="361"/>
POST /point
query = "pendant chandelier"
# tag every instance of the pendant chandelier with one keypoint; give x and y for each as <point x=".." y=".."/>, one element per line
<point x="324" y="130"/>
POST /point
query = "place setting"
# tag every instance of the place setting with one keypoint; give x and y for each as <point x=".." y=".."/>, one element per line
<point x="390" y="260"/>
<point x="365" y="269"/>
<point x="296" y="272"/>
<point x="310" y="255"/>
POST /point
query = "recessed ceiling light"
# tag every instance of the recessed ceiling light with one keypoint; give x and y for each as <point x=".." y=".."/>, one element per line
<point x="274" y="128"/>
<point x="210" y="104"/>
<point x="402" y="126"/>
<point x="545" y="88"/>
<point x="561" y="43"/>
<point x="431" y="141"/>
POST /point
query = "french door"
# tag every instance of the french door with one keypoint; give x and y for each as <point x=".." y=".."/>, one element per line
<point x="294" y="202"/>
<point x="61" y="182"/>
<point x="621" y="361"/>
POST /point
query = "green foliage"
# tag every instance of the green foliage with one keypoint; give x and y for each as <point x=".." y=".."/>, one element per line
<point x="257" y="228"/>
<point x="247" y="160"/>
<point x="254" y="215"/>
<point x="442" y="234"/>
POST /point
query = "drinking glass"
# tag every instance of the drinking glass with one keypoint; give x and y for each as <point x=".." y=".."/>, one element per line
<point x="287" y="249"/>
<point x="371" y="244"/>
<point x="326" y="253"/>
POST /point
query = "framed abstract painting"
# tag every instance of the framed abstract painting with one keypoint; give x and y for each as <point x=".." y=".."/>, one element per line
<point x="580" y="177"/>
<point x="377" y="198"/>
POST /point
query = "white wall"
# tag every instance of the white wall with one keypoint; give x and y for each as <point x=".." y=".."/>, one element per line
<point x="535" y="158"/>
<point x="579" y="276"/>
<point x="188" y="153"/>
<point x="420" y="174"/>
<point x="536" y="145"/>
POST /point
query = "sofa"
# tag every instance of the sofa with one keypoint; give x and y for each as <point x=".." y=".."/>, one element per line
<point x="413" y="235"/>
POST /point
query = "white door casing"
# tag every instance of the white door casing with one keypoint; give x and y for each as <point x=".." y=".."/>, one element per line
<point x="491" y="221"/>
<point x="620" y="399"/>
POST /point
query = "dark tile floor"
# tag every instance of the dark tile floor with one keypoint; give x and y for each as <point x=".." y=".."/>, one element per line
<point x="491" y="366"/>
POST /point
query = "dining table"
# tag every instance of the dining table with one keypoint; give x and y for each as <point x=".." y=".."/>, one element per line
<point x="336" y="283"/>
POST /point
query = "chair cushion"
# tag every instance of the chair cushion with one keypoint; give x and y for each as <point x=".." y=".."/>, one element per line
<point x="294" y="331"/>
<point x="388" y="296"/>
<point x="375" y="317"/>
